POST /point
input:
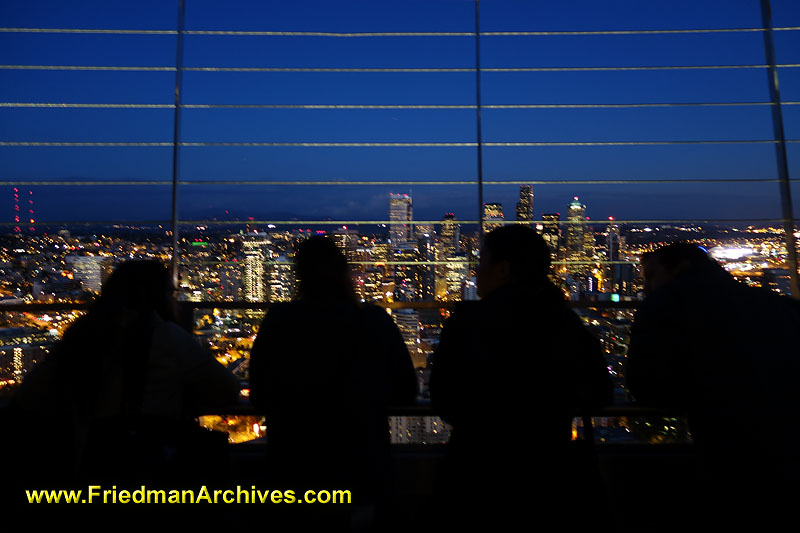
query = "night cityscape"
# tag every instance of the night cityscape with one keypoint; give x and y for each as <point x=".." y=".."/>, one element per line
<point x="404" y="132"/>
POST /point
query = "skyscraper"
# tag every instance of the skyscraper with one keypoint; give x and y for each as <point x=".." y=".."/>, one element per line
<point x="491" y="214"/>
<point x="255" y="254"/>
<point x="450" y="235"/>
<point x="400" y="212"/>
<point x="551" y="232"/>
<point x="576" y="228"/>
<point x="525" y="204"/>
<point x="619" y="276"/>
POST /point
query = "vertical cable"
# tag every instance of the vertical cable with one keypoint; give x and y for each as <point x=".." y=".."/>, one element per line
<point x="176" y="140"/>
<point x="478" y="112"/>
<point x="780" y="147"/>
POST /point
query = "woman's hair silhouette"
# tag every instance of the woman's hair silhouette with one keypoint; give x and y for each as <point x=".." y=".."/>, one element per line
<point x="322" y="272"/>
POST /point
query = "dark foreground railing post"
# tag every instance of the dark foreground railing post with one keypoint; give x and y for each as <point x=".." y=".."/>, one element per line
<point x="176" y="139"/>
<point x="780" y="147"/>
<point x="478" y="132"/>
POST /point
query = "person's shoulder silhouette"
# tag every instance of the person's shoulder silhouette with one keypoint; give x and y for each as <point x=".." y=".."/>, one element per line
<point x="518" y="360"/>
<point x="324" y="370"/>
<point x="722" y="353"/>
<point x="125" y="376"/>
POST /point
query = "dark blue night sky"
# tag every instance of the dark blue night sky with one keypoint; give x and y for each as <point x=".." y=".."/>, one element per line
<point x="632" y="201"/>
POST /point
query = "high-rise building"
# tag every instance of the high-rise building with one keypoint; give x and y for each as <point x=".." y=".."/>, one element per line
<point x="492" y="216"/>
<point x="254" y="249"/>
<point x="400" y="215"/>
<point x="281" y="279"/>
<point x="619" y="276"/>
<point x="347" y="241"/>
<point x="449" y="235"/>
<point x="525" y="204"/>
<point x="551" y="232"/>
<point x="576" y="230"/>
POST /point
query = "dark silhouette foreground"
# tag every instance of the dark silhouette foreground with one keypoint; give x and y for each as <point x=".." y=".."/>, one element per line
<point x="114" y="403"/>
<point x="325" y="369"/>
<point x="728" y="356"/>
<point x="510" y="372"/>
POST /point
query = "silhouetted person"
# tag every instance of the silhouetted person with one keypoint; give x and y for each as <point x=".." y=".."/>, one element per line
<point x="118" y="394"/>
<point x="324" y="369"/>
<point x="728" y="356"/>
<point x="510" y="373"/>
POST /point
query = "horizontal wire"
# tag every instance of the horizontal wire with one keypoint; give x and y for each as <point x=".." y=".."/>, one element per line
<point x="436" y="222"/>
<point x="84" y="106"/>
<point x="82" y="183"/>
<point x="134" y="225"/>
<point x="392" y="183"/>
<point x="85" y="144"/>
<point x="84" y="67"/>
<point x="386" y="34"/>
<point x="629" y="32"/>
<point x="380" y="144"/>
<point x="388" y="70"/>
<point x="382" y="106"/>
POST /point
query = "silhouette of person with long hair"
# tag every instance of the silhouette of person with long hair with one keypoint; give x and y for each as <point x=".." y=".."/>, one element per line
<point x="324" y="369"/>
<point x="124" y="383"/>
<point x="728" y="356"/>
<point x="510" y="373"/>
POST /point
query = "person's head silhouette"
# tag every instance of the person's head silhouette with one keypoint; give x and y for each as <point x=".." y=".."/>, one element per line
<point x="322" y="271"/>
<point x="139" y="286"/>
<point x="667" y="262"/>
<point x="512" y="255"/>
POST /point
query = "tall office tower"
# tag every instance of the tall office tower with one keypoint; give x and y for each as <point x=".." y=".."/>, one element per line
<point x="551" y="232"/>
<point x="347" y="241"/>
<point x="400" y="216"/>
<point x="619" y="276"/>
<point x="450" y="233"/>
<point x="456" y="274"/>
<point x="525" y="204"/>
<point x="491" y="214"/>
<point x="407" y="279"/>
<point x="254" y="248"/>
<point x="447" y="249"/>
<point x="613" y="241"/>
<point x="426" y="254"/>
<point x="576" y="234"/>
<point x="281" y="280"/>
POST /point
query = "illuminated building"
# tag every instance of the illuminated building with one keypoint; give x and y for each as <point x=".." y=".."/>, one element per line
<point x="281" y="280"/>
<point x="407" y="321"/>
<point x="576" y="235"/>
<point x="426" y="272"/>
<point x="400" y="214"/>
<point x="90" y="270"/>
<point x="450" y="233"/>
<point x="491" y="214"/>
<point x="619" y="277"/>
<point x="525" y="204"/>
<point x="255" y="254"/>
<point x="457" y="272"/>
<point x="347" y="241"/>
<point x="447" y="249"/>
<point x="407" y="282"/>
<point x="551" y="232"/>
